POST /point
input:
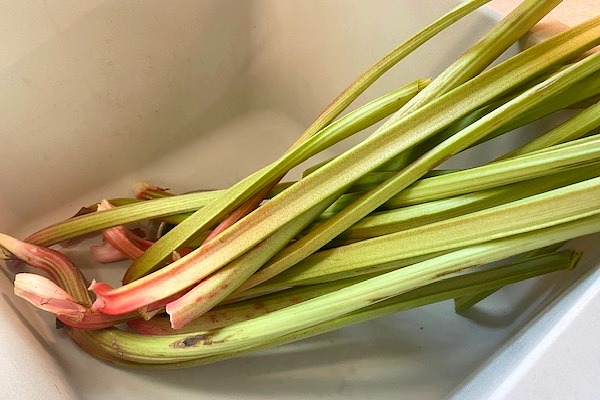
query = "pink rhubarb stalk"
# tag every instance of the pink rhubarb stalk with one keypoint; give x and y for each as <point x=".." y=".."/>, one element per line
<point x="69" y="299"/>
<point x="48" y="296"/>
<point x="54" y="263"/>
<point x="120" y="237"/>
<point x="106" y="253"/>
<point x="181" y="274"/>
<point x="121" y="243"/>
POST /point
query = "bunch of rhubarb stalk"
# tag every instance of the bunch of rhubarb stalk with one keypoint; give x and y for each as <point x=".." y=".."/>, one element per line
<point x="377" y="229"/>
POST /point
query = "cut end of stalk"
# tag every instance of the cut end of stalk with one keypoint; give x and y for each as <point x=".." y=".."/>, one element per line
<point x="180" y="312"/>
<point x="46" y="295"/>
<point x="176" y="321"/>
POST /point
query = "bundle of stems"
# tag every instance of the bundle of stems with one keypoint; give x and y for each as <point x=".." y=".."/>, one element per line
<point x="376" y="230"/>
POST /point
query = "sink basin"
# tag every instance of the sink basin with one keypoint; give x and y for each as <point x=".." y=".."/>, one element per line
<point x="100" y="95"/>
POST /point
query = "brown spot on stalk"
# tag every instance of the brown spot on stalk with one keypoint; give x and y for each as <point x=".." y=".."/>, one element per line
<point x="189" y="341"/>
<point x="195" y="340"/>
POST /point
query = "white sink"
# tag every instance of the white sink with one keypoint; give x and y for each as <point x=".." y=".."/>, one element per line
<point x="99" y="95"/>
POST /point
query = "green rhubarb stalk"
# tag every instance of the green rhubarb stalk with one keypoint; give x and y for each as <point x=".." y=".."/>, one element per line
<point x="304" y="318"/>
<point x="366" y="203"/>
<point x="462" y="182"/>
<point x="574" y="128"/>
<point x="527" y="166"/>
<point x="475" y="179"/>
<point x="584" y="89"/>
<point x="95" y="344"/>
<point x="465" y="301"/>
<point x="533" y="212"/>
<point x="385" y="222"/>
<point x="237" y="194"/>
<point x="530" y="213"/>
<point x="462" y="286"/>
<point x="487" y="49"/>
<point x="351" y="165"/>
<point x="121" y="215"/>
<point x="435" y="292"/>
